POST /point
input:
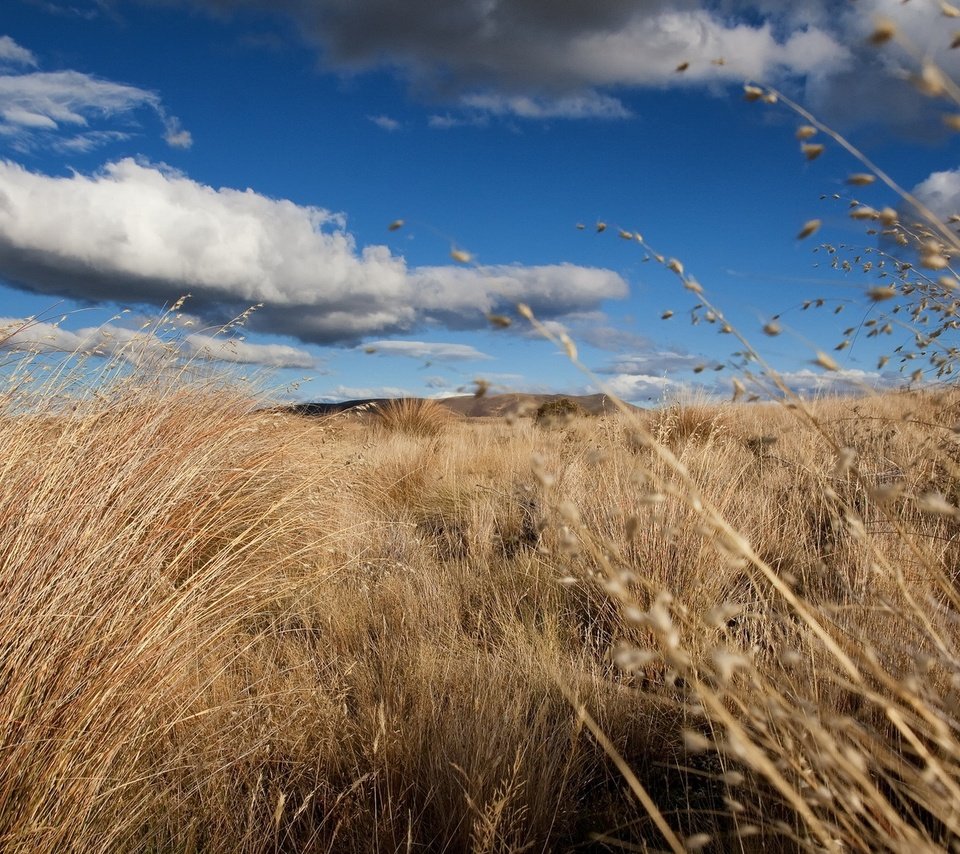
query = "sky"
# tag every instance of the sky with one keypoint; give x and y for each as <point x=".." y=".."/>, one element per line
<point x="254" y="154"/>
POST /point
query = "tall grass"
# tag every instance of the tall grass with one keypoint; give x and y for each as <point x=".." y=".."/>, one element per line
<point x="715" y="626"/>
<point x="226" y="629"/>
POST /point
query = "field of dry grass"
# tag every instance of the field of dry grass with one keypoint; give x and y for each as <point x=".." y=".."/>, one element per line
<point x="235" y="630"/>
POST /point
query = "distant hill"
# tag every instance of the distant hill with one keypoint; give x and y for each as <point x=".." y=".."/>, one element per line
<point x="487" y="406"/>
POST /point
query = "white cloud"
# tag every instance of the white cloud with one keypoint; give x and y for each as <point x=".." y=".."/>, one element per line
<point x="940" y="192"/>
<point x="221" y="349"/>
<point x="13" y="54"/>
<point x="36" y="105"/>
<point x="587" y="105"/>
<point x="447" y="121"/>
<point x="640" y="388"/>
<point x="19" y="334"/>
<point x="653" y="362"/>
<point x="429" y="350"/>
<point x="385" y="122"/>
<point x="810" y="383"/>
<point x="174" y="133"/>
<point x="137" y="233"/>
<point x="344" y="392"/>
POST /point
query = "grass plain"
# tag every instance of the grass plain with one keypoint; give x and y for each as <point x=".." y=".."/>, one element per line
<point x="228" y="629"/>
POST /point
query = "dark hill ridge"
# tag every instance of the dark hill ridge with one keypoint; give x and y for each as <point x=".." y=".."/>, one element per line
<point x="470" y="406"/>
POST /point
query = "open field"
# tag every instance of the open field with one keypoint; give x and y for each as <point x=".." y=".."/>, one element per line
<point x="230" y="630"/>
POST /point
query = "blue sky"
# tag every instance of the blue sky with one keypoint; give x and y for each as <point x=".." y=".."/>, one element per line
<point x="250" y="152"/>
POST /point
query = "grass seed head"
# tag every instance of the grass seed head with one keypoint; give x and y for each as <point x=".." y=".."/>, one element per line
<point x="884" y="30"/>
<point x="826" y="362"/>
<point x="811" y="226"/>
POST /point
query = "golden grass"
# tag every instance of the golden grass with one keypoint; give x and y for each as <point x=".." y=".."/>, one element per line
<point x="414" y="416"/>
<point x="228" y="630"/>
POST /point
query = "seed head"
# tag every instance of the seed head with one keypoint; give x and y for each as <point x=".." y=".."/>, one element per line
<point x="826" y="362"/>
<point x="683" y="66"/>
<point x="461" y="256"/>
<point x="861" y="179"/>
<point x="752" y="93"/>
<point x="863" y="212"/>
<point x="811" y="150"/>
<point x="811" y="226"/>
<point x="396" y="225"/>
<point x="888" y="216"/>
<point x="883" y="31"/>
<point x="930" y="81"/>
<point x="934" y="502"/>
<point x="666" y="315"/>
<point x="804" y="132"/>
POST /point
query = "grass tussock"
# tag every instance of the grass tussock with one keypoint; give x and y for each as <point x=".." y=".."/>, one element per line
<point x="228" y="630"/>
<point x="413" y="416"/>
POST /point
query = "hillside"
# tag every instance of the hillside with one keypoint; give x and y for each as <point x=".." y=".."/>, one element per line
<point x="472" y="406"/>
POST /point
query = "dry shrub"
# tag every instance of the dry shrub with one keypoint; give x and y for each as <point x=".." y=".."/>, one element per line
<point x="413" y="416"/>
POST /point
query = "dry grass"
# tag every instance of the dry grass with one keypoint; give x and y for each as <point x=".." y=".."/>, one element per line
<point x="413" y="416"/>
<point x="235" y="631"/>
<point x="719" y="627"/>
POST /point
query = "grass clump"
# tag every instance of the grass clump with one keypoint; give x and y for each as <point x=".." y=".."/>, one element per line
<point x="413" y="416"/>
<point x="559" y="410"/>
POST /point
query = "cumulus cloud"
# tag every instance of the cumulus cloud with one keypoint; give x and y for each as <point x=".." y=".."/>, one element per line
<point x="531" y="57"/>
<point x="27" y="335"/>
<point x="547" y="58"/>
<point x="640" y="388"/>
<point x="139" y="233"/>
<point x="429" y="350"/>
<point x="37" y="107"/>
<point x="940" y="192"/>
<point x="808" y="382"/>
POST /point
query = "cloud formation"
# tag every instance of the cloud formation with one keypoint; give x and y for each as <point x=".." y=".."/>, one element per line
<point x="139" y="233"/>
<point x="13" y="54"/>
<point x="385" y="122"/>
<point x="940" y="192"/>
<point x="654" y="362"/>
<point x="57" y="109"/>
<point x="434" y="351"/>
<point x="553" y="58"/>
<point x="24" y="335"/>
<point x="568" y="58"/>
